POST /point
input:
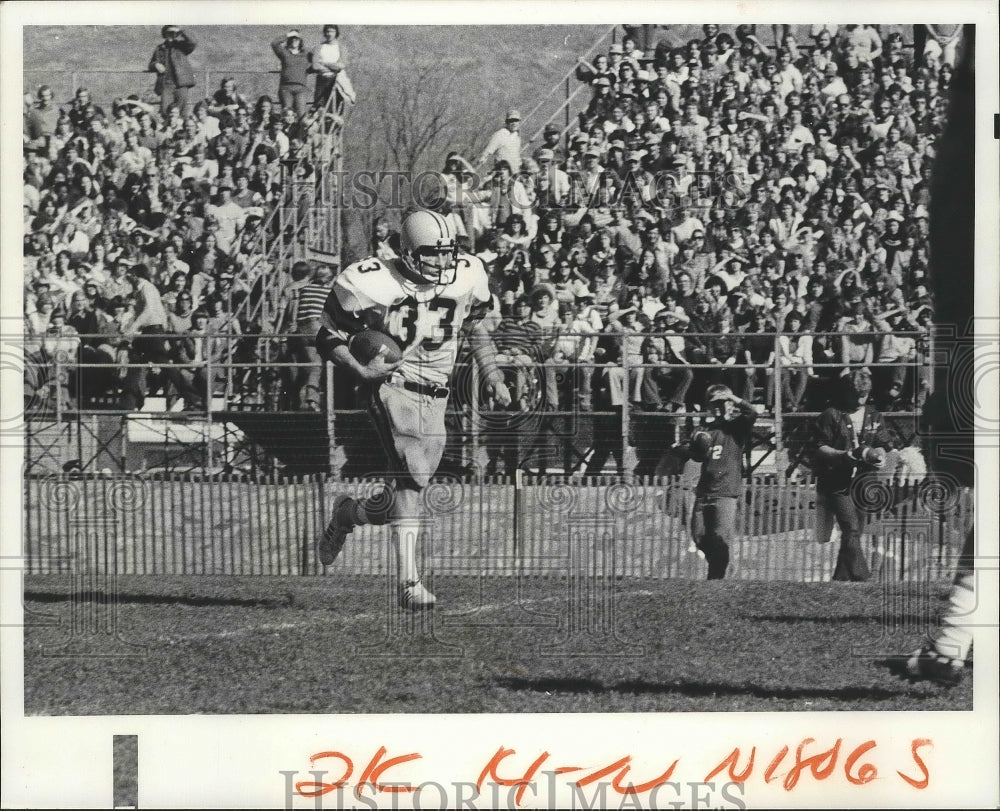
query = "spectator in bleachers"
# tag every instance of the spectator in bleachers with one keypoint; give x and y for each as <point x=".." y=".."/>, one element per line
<point x="174" y="75"/>
<point x="812" y="225"/>
<point x="306" y="310"/>
<point x="41" y="119"/>
<point x="150" y="319"/>
<point x="505" y="144"/>
<point x="327" y="63"/>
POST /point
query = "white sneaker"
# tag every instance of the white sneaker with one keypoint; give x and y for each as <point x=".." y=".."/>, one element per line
<point x="414" y="597"/>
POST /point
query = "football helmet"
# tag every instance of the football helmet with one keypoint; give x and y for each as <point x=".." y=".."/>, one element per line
<point x="428" y="247"/>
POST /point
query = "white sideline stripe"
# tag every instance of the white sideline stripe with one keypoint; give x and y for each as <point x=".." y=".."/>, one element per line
<point x="273" y="627"/>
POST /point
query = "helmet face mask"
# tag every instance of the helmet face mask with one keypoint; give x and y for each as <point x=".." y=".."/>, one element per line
<point x="428" y="246"/>
<point x="433" y="265"/>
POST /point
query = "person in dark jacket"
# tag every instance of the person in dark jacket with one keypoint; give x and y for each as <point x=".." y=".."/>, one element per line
<point x="292" y="90"/>
<point x="174" y="76"/>
<point x="719" y="446"/>
<point x="850" y="441"/>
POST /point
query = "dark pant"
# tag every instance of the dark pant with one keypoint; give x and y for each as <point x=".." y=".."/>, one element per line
<point x="652" y="436"/>
<point x="294" y="97"/>
<point x="324" y="87"/>
<point x="146" y="351"/>
<point x="851" y="563"/>
<point x="713" y="526"/>
<point x="307" y="379"/>
<point x="607" y="442"/>
<point x="174" y="95"/>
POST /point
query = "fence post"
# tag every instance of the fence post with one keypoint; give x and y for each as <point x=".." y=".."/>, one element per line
<point x="209" y="374"/>
<point x="779" y="428"/>
<point x="57" y="392"/>
<point x="627" y="399"/>
<point x="474" y="427"/>
<point x="330" y="421"/>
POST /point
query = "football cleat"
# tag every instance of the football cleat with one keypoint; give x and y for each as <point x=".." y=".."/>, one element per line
<point x="927" y="664"/>
<point x="414" y="597"/>
<point x="337" y="530"/>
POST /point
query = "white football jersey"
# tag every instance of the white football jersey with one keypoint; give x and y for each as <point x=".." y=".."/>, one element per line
<point x="424" y="319"/>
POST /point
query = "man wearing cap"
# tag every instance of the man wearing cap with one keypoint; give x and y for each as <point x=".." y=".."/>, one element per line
<point x="505" y="143"/>
<point x="616" y="54"/>
<point x="174" y="76"/>
<point x="550" y="173"/>
<point x="551" y="137"/>
<point x="592" y="170"/>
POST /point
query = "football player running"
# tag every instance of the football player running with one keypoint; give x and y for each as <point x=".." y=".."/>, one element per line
<point x="427" y="299"/>
<point x="719" y="446"/>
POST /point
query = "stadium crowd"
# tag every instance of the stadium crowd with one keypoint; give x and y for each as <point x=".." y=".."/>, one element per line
<point x="720" y="201"/>
<point x="143" y="221"/>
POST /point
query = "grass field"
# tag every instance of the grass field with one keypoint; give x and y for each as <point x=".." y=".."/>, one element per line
<point x="335" y="644"/>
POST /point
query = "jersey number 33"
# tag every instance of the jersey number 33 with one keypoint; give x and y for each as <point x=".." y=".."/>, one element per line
<point x="434" y="322"/>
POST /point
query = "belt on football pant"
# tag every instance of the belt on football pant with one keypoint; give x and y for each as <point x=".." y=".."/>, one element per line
<point x="421" y="388"/>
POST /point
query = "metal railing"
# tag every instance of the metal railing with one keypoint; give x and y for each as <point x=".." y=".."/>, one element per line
<point x="268" y="374"/>
<point x="569" y="94"/>
<point x="105" y="85"/>
<point x="305" y="217"/>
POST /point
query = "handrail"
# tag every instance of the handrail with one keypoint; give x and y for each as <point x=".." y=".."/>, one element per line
<point x="285" y="242"/>
<point x="571" y="73"/>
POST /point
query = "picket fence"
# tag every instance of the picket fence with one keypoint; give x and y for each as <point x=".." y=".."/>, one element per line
<point x="600" y="527"/>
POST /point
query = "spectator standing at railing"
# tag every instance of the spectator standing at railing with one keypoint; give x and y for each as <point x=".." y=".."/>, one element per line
<point x="609" y="391"/>
<point x="146" y="352"/>
<point x="505" y="143"/>
<point x="174" y="75"/>
<point x="306" y="312"/>
<point x="292" y="84"/>
<point x="327" y="63"/>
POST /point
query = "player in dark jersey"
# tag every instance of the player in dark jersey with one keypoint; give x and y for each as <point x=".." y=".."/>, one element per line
<point x="719" y="446"/>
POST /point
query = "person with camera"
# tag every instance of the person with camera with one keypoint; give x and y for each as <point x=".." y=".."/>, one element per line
<point x="850" y="441"/>
<point x="174" y="76"/>
<point x="719" y="446"/>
